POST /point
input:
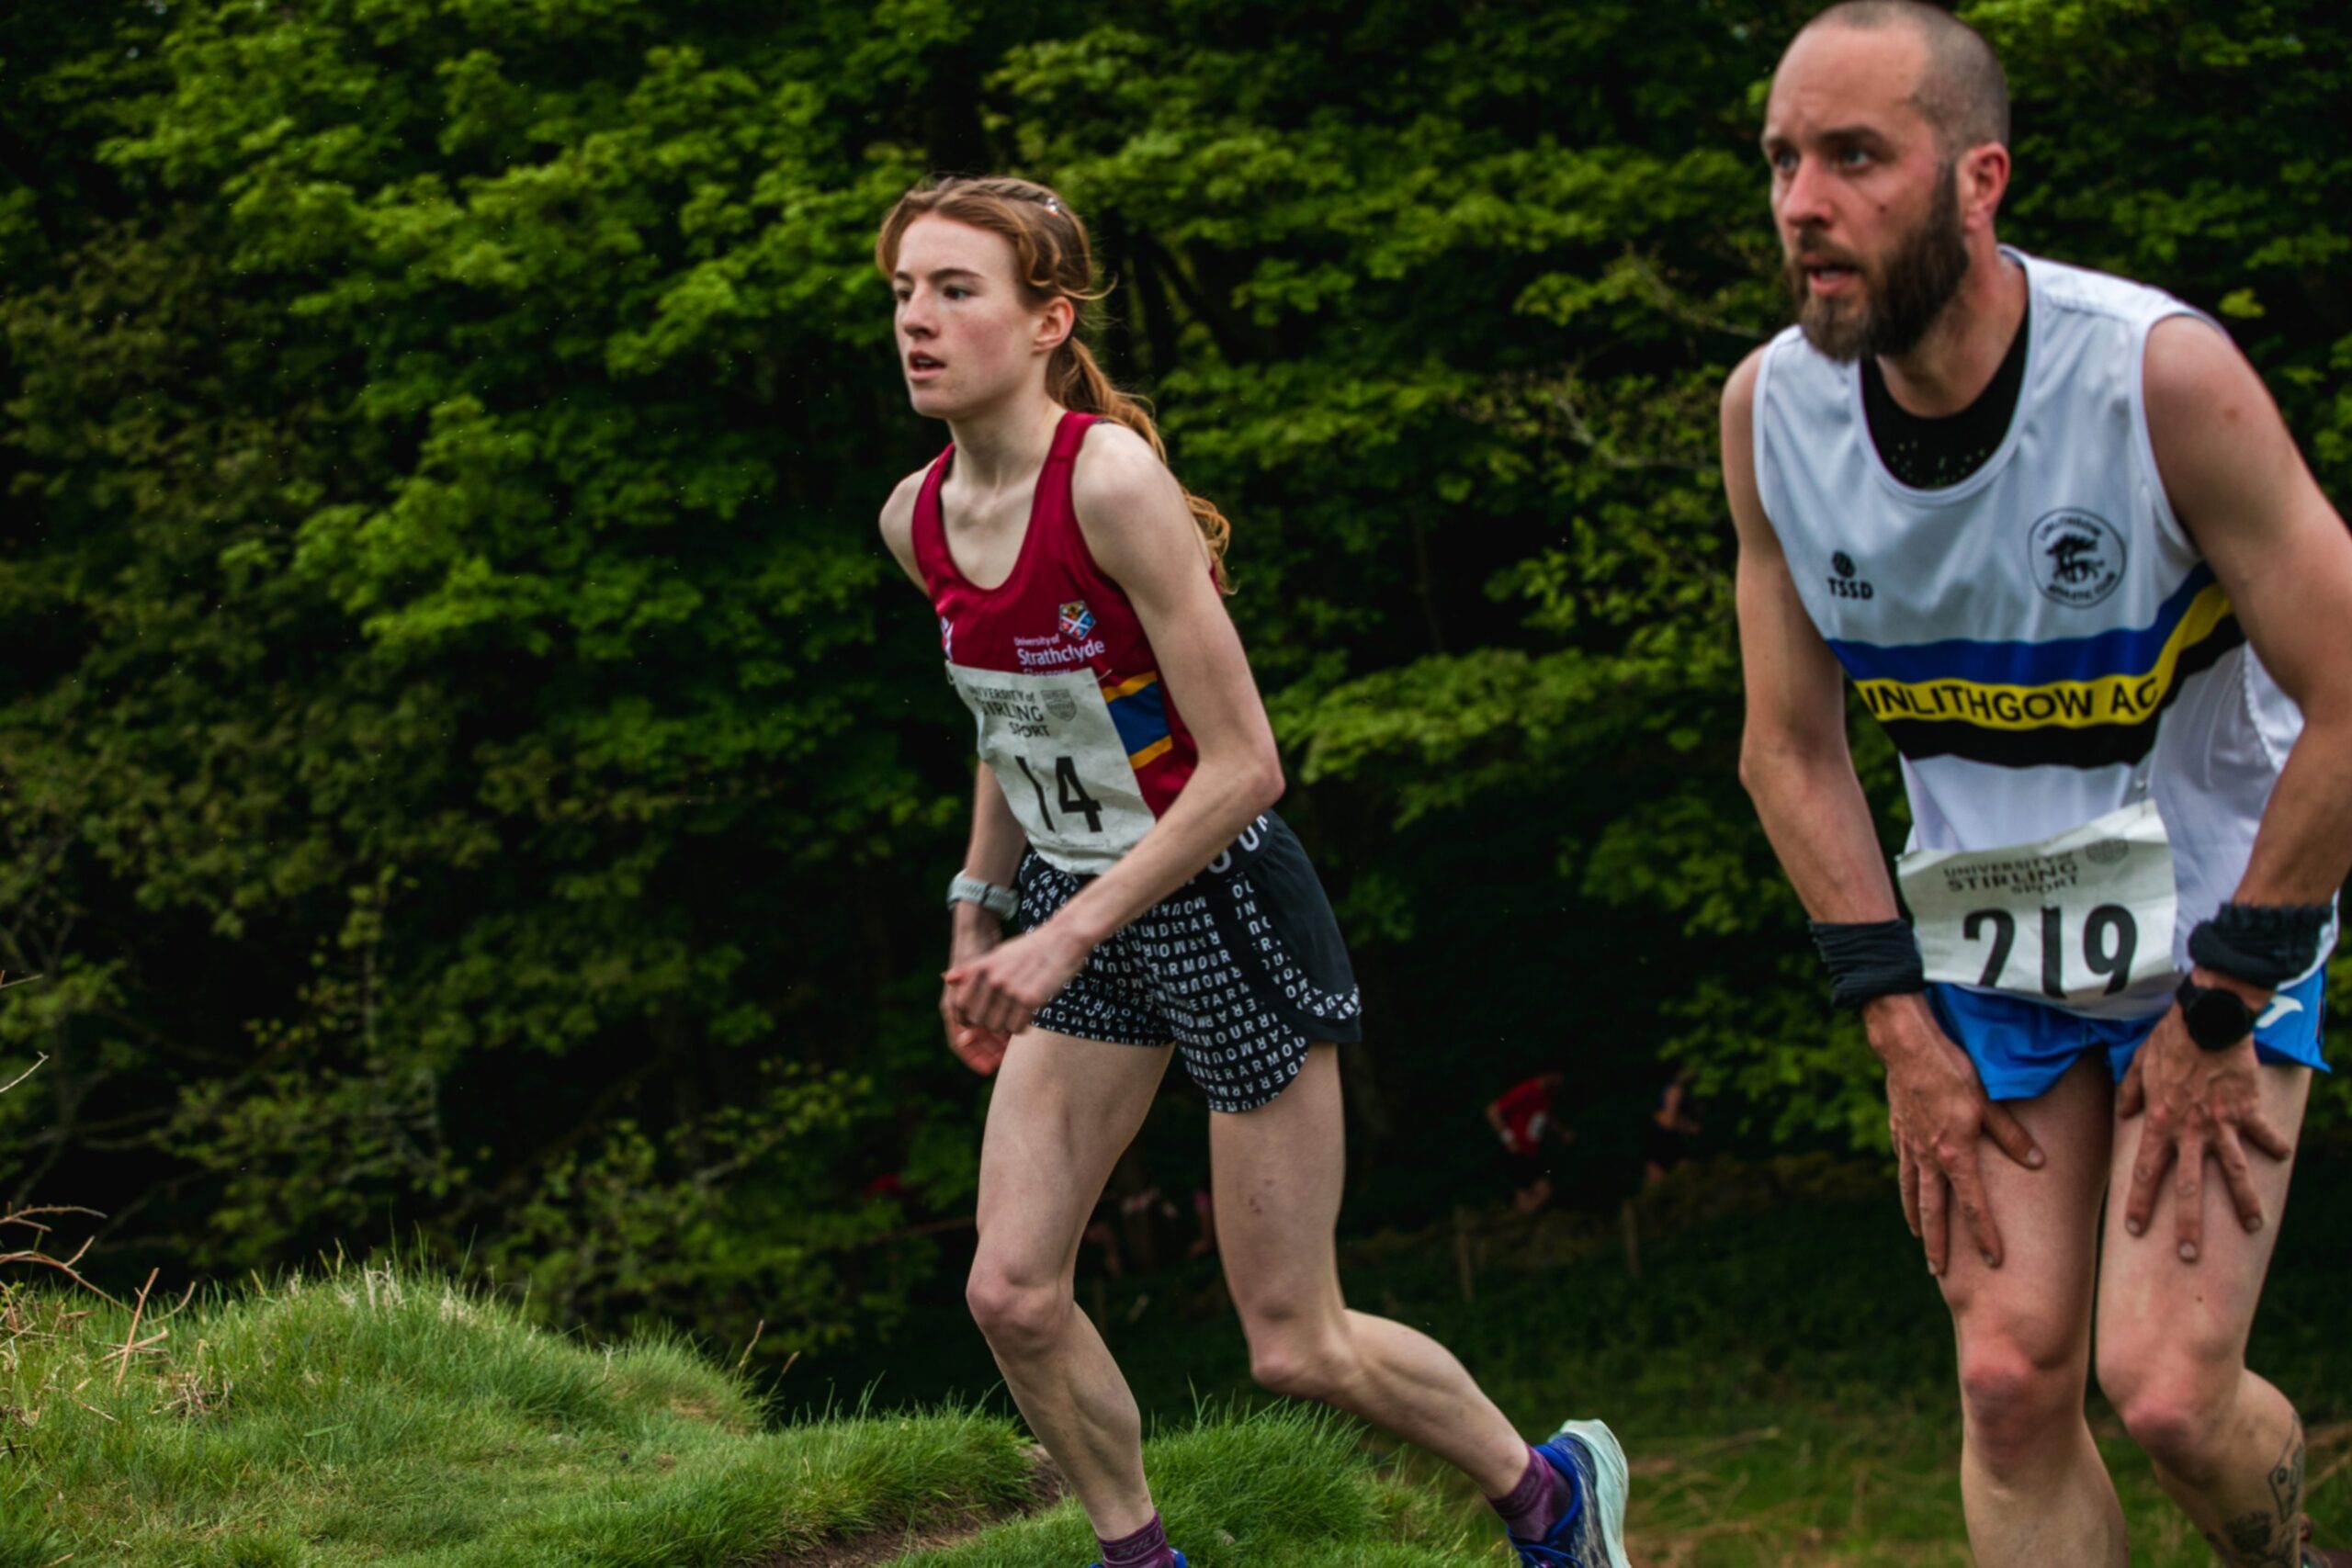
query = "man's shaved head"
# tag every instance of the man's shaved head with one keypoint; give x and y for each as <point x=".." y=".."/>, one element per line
<point x="1961" y="92"/>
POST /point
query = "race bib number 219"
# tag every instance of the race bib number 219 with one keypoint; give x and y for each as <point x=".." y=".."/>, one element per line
<point x="2081" y="919"/>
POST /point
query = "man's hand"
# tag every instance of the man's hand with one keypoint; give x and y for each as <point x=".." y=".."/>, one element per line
<point x="2198" y="1103"/>
<point x="975" y="932"/>
<point x="997" y="991"/>
<point x="1940" y="1114"/>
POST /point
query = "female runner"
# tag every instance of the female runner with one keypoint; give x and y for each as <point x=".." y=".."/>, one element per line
<point x="1126" y="789"/>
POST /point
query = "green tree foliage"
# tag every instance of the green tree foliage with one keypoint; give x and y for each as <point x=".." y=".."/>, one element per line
<point x="465" y="765"/>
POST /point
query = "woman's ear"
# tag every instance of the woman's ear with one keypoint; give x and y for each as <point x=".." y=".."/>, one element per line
<point x="1054" y="324"/>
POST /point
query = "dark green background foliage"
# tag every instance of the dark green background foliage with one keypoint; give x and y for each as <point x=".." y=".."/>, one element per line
<point x="467" y="770"/>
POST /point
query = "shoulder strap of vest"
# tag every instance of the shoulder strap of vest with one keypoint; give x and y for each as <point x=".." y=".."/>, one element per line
<point x="1055" y="510"/>
<point x="929" y="529"/>
<point x="1069" y="436"/>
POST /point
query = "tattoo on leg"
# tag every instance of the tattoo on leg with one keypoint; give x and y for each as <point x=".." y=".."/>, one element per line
<point x="2287" y="1476"/>
<point x="2256" y="1541"/>
<point x="2270" y="1537"/>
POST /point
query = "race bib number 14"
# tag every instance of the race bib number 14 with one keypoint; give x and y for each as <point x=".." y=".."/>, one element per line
<point x="1056" y="752"/>
<point x="2078" y="919"/>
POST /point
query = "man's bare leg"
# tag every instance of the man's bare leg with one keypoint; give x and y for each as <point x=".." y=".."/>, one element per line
<point x="2030" y="1478"/>
<point x="1278" y="1174"/>
<point x="1063" y="1110"/>
<point x="2172" y="1336"/>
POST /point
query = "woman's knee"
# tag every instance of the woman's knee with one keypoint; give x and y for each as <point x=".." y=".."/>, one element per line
<point x="1296" y="1370"/>
<point x="1020" y="1319"/>
<point x="1298" y="1359"/>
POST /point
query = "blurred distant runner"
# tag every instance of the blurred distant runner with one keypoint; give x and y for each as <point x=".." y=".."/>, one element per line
<point x="1666" y="1136"/>
<point x="1522" y="1118"/>
<point x="1127" y="785"/>
<point x="2052" y="528"/>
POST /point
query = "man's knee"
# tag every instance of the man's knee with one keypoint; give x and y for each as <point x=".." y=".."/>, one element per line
<point x="2019" y="1398"/>
<point x="1020" y="1319"/>
<point x="2174" y="1398"/>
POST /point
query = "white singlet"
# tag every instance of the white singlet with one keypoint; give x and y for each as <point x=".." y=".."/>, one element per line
<point x="2043" y="641"/>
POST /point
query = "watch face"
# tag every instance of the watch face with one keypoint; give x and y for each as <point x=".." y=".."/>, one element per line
<point x="2218" y="1019"/>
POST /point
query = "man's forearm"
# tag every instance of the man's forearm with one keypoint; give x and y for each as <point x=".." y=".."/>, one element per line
<point x="1819" y="822"/>
<point x="2303" y="849"/>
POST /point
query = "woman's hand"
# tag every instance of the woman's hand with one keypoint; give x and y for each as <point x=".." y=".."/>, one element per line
<point x="974" y="933"/>
<point x="996" y="992"/>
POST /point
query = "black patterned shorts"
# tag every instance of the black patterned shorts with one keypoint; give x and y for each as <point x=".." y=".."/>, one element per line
<point x="1243" y="967"/>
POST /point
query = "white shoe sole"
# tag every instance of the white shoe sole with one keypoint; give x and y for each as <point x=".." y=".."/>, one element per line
<point x="1611" y="1484"/>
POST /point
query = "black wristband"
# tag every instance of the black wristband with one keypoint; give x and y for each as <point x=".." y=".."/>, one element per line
<point x="2262" y="944"/>
<point x="1868" y="959"/>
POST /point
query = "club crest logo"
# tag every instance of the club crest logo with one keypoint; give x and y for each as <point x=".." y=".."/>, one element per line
<point x="1062" y="706"/>
<point x="1077" y="619"/>
<point x="2077" y="557"/>
<point x="2106" y="851"/>
<point x="947" y="637"/>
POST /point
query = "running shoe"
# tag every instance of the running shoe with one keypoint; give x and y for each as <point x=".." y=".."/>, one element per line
<point x="1172" y="1552"/>
<point x="2313" y="1557"/>
<point x="1592" y="1534"/>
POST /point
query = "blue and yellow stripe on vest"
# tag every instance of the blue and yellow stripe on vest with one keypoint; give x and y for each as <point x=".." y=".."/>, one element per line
<point x="2086" y="702"/>
<point x="1140" y="710"/>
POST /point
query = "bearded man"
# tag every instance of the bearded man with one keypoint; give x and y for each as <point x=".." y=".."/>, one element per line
<point x="2052" y="528"/>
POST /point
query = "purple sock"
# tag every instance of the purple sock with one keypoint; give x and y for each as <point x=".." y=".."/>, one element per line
<point x="1147" y="1548"/>
<point x="1534" y="1505"/>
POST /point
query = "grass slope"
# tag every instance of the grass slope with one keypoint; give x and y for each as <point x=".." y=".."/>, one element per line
<point x="1285" y="1486"/>
<point x="390" y="1417"/>
<point x="376" y="1416"/>
<point x="1781" y="1373"/>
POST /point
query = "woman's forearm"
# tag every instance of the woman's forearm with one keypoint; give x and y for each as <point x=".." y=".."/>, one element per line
<point x="1221" y="798"/>
<point x="998" y="839"/>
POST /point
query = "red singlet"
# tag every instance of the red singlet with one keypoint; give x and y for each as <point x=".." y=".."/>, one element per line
<point x="1526" y="1110"/>
<point x="1057" y="670"/>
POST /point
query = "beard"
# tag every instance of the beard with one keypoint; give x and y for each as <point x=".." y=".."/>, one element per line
<point x="1902" y="297"/>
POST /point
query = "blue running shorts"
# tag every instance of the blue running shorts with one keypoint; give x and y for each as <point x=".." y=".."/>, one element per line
<point x="2021" y="1049"/>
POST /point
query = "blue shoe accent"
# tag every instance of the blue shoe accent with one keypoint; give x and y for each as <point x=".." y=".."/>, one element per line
<point x="1591" y="1534"/>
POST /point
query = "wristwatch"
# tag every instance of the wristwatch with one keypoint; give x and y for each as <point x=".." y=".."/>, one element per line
<point x="966" y="888"/>
<point x="2217" y="1017"/>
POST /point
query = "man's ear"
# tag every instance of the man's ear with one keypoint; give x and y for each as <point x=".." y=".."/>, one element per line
<point x="1983" y="180"/>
